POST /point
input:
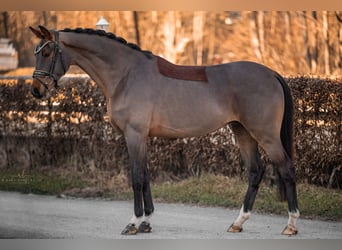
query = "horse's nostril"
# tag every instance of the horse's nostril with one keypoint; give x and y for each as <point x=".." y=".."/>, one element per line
<point x="35" y="93"/>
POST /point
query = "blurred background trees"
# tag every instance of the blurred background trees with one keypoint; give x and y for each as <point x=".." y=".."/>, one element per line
<point x="291" y="42"/>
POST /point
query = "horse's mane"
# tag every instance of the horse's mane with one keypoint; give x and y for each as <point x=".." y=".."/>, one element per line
<point x="109" y="35"/>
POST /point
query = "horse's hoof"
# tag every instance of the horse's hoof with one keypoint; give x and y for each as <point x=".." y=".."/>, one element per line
<point x="145" y="227"/>
<point x="130" y="229"/>
<point x="289" y="231"/>
<point x="234" y="229"/>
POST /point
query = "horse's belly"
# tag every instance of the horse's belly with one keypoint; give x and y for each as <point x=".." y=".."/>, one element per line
<point x="191" y="126"/>
<point x="164" y="131"/>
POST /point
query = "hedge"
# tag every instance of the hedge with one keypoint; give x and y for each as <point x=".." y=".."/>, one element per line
<point x="72" y="128"/>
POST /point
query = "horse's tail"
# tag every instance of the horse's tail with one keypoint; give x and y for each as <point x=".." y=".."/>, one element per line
<point x="286" y="132"/>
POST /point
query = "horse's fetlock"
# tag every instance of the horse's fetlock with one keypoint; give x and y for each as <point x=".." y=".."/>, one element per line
<point x="246" y="216"/>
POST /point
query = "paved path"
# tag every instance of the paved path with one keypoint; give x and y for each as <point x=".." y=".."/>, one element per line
<point x="35" y="216"/>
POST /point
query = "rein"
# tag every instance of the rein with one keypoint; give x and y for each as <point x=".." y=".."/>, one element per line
<point x="42" y="73"/>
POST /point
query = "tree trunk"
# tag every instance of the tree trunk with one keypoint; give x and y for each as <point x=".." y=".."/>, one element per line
<point x="305" y="39"/>
<point x="254" y="35"/>
<point x="325" y="28"/>
<point x="136" y="27"/>
<point x="5" y="23"/>
<point x="261" y="32"/>
<point x="287" y="19"/>
<point x="128" y="17"/>
<point x="45" y="21"/>
<point x="169" y="36"/>
<point x="273" y="22"/>
<point x="211" y="58"/>
<point x="312" y="40"/>
<point x="174" y="37"/>
<point x="198" y="25"/>
<point x="339" y="18"/>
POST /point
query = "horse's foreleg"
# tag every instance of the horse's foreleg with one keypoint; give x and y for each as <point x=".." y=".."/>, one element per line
<point x="136" y="144"/>
<point x="145" y="226"/>
<point x="251" y="159"/>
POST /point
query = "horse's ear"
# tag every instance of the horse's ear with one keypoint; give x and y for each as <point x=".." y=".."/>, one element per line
<point x="46" y="33"/>
<point x="37" y="32"/>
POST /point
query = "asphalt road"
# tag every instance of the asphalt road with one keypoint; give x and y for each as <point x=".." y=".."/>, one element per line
<point x="35" y="216"/>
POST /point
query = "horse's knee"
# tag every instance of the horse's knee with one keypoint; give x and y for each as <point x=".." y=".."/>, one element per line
<point x="137" y="176"/>
<point x="137" y="181"/>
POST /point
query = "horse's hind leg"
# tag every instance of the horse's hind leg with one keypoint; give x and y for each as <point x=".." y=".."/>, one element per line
<point x="251" y="158"/>
<point x="286" y="171"/>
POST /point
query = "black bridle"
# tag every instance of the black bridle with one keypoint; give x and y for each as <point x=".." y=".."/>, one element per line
<point x="57" y="51"/>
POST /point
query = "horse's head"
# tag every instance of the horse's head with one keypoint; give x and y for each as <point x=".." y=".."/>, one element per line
<point x="50" y="66"/>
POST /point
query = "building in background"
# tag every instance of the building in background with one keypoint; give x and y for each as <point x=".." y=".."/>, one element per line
<point x="8" y="55"/>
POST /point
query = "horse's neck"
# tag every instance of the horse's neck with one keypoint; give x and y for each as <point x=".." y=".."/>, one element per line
<point x="105" y="61"/>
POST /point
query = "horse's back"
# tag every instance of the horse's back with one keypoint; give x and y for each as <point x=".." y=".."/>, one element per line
<point x="245" y="81"/>
<point x="241" y="72"/>
<point x="241" y="91"/>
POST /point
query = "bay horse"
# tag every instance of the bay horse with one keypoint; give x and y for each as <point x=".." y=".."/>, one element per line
<point x="149" y="96"/>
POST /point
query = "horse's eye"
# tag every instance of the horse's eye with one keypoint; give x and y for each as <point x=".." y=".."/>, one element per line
<point x="46" y="51"/>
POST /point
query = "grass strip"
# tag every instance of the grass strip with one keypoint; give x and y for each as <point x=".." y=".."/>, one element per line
<point x="207" y="190"/>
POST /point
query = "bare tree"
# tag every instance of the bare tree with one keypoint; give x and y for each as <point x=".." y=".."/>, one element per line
<point x="292" y="42"/>
<point x="169" y="36"/>
<point x="335" y="37"/>
<point x="128" y="22"/>
<point x="211" y="26"/>
<point x="198" y="26"/>
<point x="4" y="24"/>
<point x="339" y="35"/>
<point x="136" y="27"/>
<point x="287" y="19"/>
<point x="44" y="15"/>
<point x="174" y="36"/>
<point x="325" y="28"/>
<point x="255" y="35"/>
<point x="311" y="33"/>
<point x="261" y="31"/>
<point x="305" y="38"/>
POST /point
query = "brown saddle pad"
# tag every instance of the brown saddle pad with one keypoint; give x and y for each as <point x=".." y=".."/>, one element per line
<point x="191" y="73"/>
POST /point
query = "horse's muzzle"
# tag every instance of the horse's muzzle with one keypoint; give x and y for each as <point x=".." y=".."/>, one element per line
<point x="38" y="89"/>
